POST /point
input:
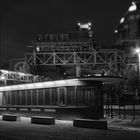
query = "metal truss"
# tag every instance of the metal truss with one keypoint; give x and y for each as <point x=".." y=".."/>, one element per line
<point x="16" y="76"/>
<point x="76" y="58"/>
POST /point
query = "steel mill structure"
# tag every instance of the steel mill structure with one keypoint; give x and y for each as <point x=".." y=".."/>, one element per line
<point x="73" y="73"/>
<point x="76" y="54"/>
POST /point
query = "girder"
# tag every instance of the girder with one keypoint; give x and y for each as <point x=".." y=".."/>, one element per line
<point x="73" y="58"/>
<point x="17" y="76"/>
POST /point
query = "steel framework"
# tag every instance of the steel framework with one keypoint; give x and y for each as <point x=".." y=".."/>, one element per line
<point x="17" y="76"/>
<point x="114" y="59"/>
<point x="78" y="52"/>
<point x="74" y="58"/>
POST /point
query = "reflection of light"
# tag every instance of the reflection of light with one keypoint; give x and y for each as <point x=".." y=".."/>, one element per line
<point x="65" y="121"/>
<point x="97" y="74"/>
<point x="122" y="20"/>
<point x="133" y="7"/>
<point x="21" y="74"/>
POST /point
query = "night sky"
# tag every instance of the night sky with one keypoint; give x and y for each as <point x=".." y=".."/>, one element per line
<point x="22" y="20"/>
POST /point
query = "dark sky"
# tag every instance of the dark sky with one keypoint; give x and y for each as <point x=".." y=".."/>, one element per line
<point x="22" y="20"/>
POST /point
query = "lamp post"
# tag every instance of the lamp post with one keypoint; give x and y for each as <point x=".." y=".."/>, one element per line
<point x="138" y="52"/>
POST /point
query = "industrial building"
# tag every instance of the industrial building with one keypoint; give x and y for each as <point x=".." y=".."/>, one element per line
<point x="70" y="75"/>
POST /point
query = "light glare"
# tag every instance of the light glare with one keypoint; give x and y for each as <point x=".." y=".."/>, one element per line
<point x="49" y="84"/>
<point x="79" y="23"/>
<point x="122" y="20"/>
<point x="89" y="23"/>
<point x="116" y="31"/>
<point x="137" y="50"/>
<point x="133" y="7"/>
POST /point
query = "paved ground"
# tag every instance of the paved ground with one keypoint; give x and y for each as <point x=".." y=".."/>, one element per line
<point x="119" y="129"/>
<point x="125" y="124"/>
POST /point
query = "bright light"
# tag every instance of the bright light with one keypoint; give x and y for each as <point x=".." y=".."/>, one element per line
<point x="4" y="71"/>
<point x="39" y="85"/>
<point x="122" y="20"/>
<point x="116" y="31"/>
<point x="89" y="28"/>
<point x="79" y="23"/>
<point x="133" y="7"/>
<point x="89" y="23"/>
<point x="37" y="49"/>
<point x="14" y="73"/>
<point x="97" y="74"/>
<point x="2" y="78"/>
<point x="86" y="26"/>
<point x="137" y="50"/>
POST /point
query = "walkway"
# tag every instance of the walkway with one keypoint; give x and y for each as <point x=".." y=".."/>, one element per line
<point x="64" y="130"/>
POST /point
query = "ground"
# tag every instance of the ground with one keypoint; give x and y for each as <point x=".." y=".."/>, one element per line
<point x="118" y="129"/>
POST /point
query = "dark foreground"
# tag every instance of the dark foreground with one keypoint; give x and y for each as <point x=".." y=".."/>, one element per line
<point x="64" y="130"/>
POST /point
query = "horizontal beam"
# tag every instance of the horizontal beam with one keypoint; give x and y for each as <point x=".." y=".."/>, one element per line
<point x="73" y="58"/>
